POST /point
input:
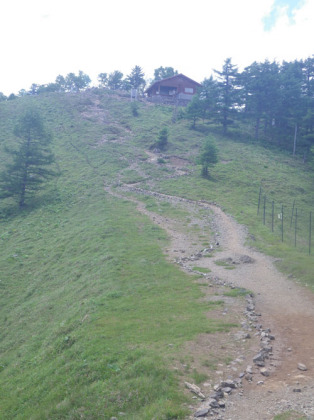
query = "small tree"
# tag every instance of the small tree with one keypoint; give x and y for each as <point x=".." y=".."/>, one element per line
<point x="195" y="110"/>
<point x="115" y="80"/>
<point x="136" y="78"/>
<point x="60" y="81"/>
<point x="28" y="169"/>
<point x="208" y="156"/>
<point x="164" y="73"/>
<point x="102" y="79"/>
<point x="74" y="83"/>
<point x="162" y="139"/>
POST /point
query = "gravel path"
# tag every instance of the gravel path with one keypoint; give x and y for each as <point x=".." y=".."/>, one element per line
<point x="286" y="308"/>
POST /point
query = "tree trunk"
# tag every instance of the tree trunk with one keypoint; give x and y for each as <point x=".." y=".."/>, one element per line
<point x="257" y="123"/>
<point x="295" y="139"/>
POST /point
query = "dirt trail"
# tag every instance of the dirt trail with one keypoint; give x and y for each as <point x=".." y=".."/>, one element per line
<point x="286" y="308"/>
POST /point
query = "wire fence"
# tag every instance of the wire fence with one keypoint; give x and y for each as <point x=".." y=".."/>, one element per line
<point x="292" y="224"/>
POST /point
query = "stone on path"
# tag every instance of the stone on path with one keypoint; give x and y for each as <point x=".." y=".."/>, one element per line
<point x="201" y="413"/>
<point x="302" y="367"/>
<point x="264" y="372"/>
<point x="195" y="389"/>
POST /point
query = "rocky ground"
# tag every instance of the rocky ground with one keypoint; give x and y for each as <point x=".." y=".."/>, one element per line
<point x="272" y="358"/>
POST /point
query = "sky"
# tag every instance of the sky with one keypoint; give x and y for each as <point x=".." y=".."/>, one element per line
<point x="44" y="38"/>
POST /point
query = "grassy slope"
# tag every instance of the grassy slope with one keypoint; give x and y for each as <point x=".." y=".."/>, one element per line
<point x="88" y="302"/>
<point x="235" y="181"/>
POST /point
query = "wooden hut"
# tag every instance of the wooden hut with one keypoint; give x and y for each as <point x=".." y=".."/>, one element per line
<point x="176" y="89"/>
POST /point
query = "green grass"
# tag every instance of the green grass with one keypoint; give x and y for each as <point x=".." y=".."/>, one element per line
<point x="88" y="303"/>
<point x="290" y="415"/>
<point x="199" y="377"/>
<point x="235" y="186"/>
<point x="236" y="292"/>
<point x="225" y="264"/>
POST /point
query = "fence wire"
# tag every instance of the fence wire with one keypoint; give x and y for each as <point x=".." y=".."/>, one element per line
<point x="292" y="224"/>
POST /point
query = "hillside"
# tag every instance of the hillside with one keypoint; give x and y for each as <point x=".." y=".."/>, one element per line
<point x="97" y="319"/>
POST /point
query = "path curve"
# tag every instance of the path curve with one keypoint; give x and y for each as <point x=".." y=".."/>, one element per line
<point x="286" y="307"/>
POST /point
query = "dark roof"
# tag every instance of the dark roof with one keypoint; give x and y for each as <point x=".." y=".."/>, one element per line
<point x="169" y="78"/>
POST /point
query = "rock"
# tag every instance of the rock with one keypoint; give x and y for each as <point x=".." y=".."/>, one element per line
<point x="242" y="335"/>
<point x="249" y="377"/>
<point x="297" y="390"/>
<point x="259" y="358"/>
<point x="213" y="403"/>
<point x="228" y="383"/>
<point x="249" y="369"/>
<point x="201" y="413"/>
<point x="195" y="389"/>
<point x="260" y="382"/>
<point x="264" y="372"/>
<point x="221" y="404"/>
<point x="227" y="390"/>
<point x="266" y="347"/>
<point x="217" y="395"/>
<point x="245" y="259"/>
<point x="302" y="367"/>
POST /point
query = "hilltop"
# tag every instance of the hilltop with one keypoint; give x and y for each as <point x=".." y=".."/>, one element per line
<point x="117" y="285"/>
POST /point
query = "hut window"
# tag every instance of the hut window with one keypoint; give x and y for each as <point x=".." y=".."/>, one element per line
<point x="188" y="90"/>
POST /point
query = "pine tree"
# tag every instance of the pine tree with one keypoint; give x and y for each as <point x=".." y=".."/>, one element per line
<point x="227" y="79"/>
<point x="136" y="78"/>
<point x="30" y="161"/>
<point x="208" y="156"/>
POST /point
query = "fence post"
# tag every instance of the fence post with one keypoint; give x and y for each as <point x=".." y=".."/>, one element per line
<point x="295" y="227"/>
<point x="264" y="210"/>
<point x="310" y="235"/>
<point x="272" y="216"/>
<point x="292" y="213"/>
<point x="259" y="200"/>
<point x="282" y="223"/>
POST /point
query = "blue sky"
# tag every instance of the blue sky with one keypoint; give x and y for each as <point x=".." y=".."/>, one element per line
<point x="286" y="7"/>
<point x="44" y="38"/>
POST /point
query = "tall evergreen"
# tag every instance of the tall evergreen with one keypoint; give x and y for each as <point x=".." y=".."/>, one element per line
<point x="260" y="90"/>
<point x="29" y="168"/>
<point x="227" y="82"/>
<point x="136" y="78"/>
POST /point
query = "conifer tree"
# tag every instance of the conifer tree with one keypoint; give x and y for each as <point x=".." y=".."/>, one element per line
<point x="227" y="79"/>
<point x="208" y="156"/>
<point x="136" y="78"/>
<point x="29" y="167"/>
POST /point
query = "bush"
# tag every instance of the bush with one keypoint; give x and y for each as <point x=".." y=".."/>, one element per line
<point x="208" y="156"/>
<point x="134" y="109"/>
<point x="162" y="139"/>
